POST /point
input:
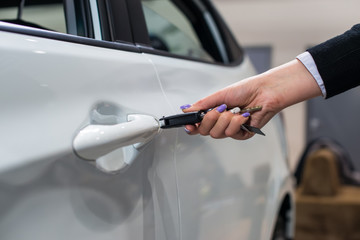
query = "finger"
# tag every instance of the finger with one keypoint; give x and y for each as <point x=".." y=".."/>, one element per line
<point x="215" y="99"/>
<point x="191" y="129"/>
<point x="185" y="107"/>
<point x="235" y="131"/>
<point x="210" y="120"/>
<point x="218" y="131"/>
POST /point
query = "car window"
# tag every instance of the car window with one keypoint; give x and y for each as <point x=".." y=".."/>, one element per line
<point x="63" y="16"/>
<point x="170" y="30"/>
<point x="48" y="16"/>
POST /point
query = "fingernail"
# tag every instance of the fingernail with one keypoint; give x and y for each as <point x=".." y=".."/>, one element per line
<point x="185" y="106"/>
<point x="221" y="108"/>
<point x="246" y="114"/>
<point x="187" y="131"/>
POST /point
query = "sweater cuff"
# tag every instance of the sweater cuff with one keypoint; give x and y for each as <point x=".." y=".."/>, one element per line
<point x="307" y="60"/>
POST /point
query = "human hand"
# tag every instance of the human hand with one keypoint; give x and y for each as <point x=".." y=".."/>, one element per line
<point x="273" y="90"/>
<point x="220" y="122"/>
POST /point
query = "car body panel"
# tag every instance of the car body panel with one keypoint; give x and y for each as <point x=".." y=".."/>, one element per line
<point x="223" y="183"/>
<point x="175" y="186"/>
<point x="49" y="91"/>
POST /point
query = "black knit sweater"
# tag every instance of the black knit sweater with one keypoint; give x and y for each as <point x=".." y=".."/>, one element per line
<point x="338" y="61"/>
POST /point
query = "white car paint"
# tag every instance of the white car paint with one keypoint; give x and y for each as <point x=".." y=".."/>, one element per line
<point x="174" y="187"/>
<point x="223" y="184"/>
<point x="47" y="191"/>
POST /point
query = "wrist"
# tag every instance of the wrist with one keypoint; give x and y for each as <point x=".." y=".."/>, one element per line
<point x="291" y="83"/>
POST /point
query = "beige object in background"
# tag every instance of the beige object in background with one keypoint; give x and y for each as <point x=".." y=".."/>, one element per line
<point x="325" y="208"/>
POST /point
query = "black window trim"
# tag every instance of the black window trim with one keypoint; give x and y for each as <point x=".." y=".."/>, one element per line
<point x="69" y="10"/>
<point x="214" y="30"/>
<point x="234" y="50"/>
<point x="87" y="19"/>
<point x="137" y="22"/>
<point x="140" y="42"/>
<point x="104" y="18"/>
<point x="13" y="28"/>
<point x="116" y="38"/>
<point x="118" y="20"/>
<point x="139" y="28"/>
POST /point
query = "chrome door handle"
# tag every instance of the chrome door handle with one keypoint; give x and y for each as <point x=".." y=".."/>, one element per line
<point x="95" y="141"/>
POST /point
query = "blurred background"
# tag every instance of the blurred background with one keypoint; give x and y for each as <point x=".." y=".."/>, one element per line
<point x="274" y="32"/>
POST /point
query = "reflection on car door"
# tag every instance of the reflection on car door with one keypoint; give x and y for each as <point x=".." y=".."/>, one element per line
<point x="223" y="184"/>
<point x="51" y="89"/>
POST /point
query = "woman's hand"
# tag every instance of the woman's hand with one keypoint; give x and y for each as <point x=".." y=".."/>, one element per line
<point x="273" y="90"/>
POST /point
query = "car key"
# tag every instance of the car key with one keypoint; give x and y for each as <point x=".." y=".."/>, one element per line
<point x="191" y="118"/>
<point x="251" y="109"/>
<point x="182" y="119"/>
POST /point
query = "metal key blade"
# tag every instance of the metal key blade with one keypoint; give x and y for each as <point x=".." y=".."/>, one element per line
<point x="249" y="128"/>
<point x="251" y="109"/>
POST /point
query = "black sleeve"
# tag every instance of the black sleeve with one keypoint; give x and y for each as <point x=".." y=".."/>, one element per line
<point x="338" y="61"/>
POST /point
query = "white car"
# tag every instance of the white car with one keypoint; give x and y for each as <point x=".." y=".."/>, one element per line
<point x="82" y="86"/>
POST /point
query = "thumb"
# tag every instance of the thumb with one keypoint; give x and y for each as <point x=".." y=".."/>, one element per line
<point x="214" y="100"/>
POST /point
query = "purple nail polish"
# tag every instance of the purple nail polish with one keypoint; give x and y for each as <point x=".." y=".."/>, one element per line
<point x="185" y="106"/>
<point x="247" y="114"/>
<point x="187" y="131"/>
<point x="221" y="108"/>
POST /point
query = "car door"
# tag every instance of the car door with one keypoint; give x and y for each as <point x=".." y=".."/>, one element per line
<point x="62" y="77"/>
<point x="227" y="189"/>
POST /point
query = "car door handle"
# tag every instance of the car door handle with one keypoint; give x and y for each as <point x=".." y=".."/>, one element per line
<point x="95" y="141"/>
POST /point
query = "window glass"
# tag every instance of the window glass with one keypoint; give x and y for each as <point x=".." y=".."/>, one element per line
<point x="64" y="16"/>
<point x="49" y="16"/>
<point x="170" y="30"/>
